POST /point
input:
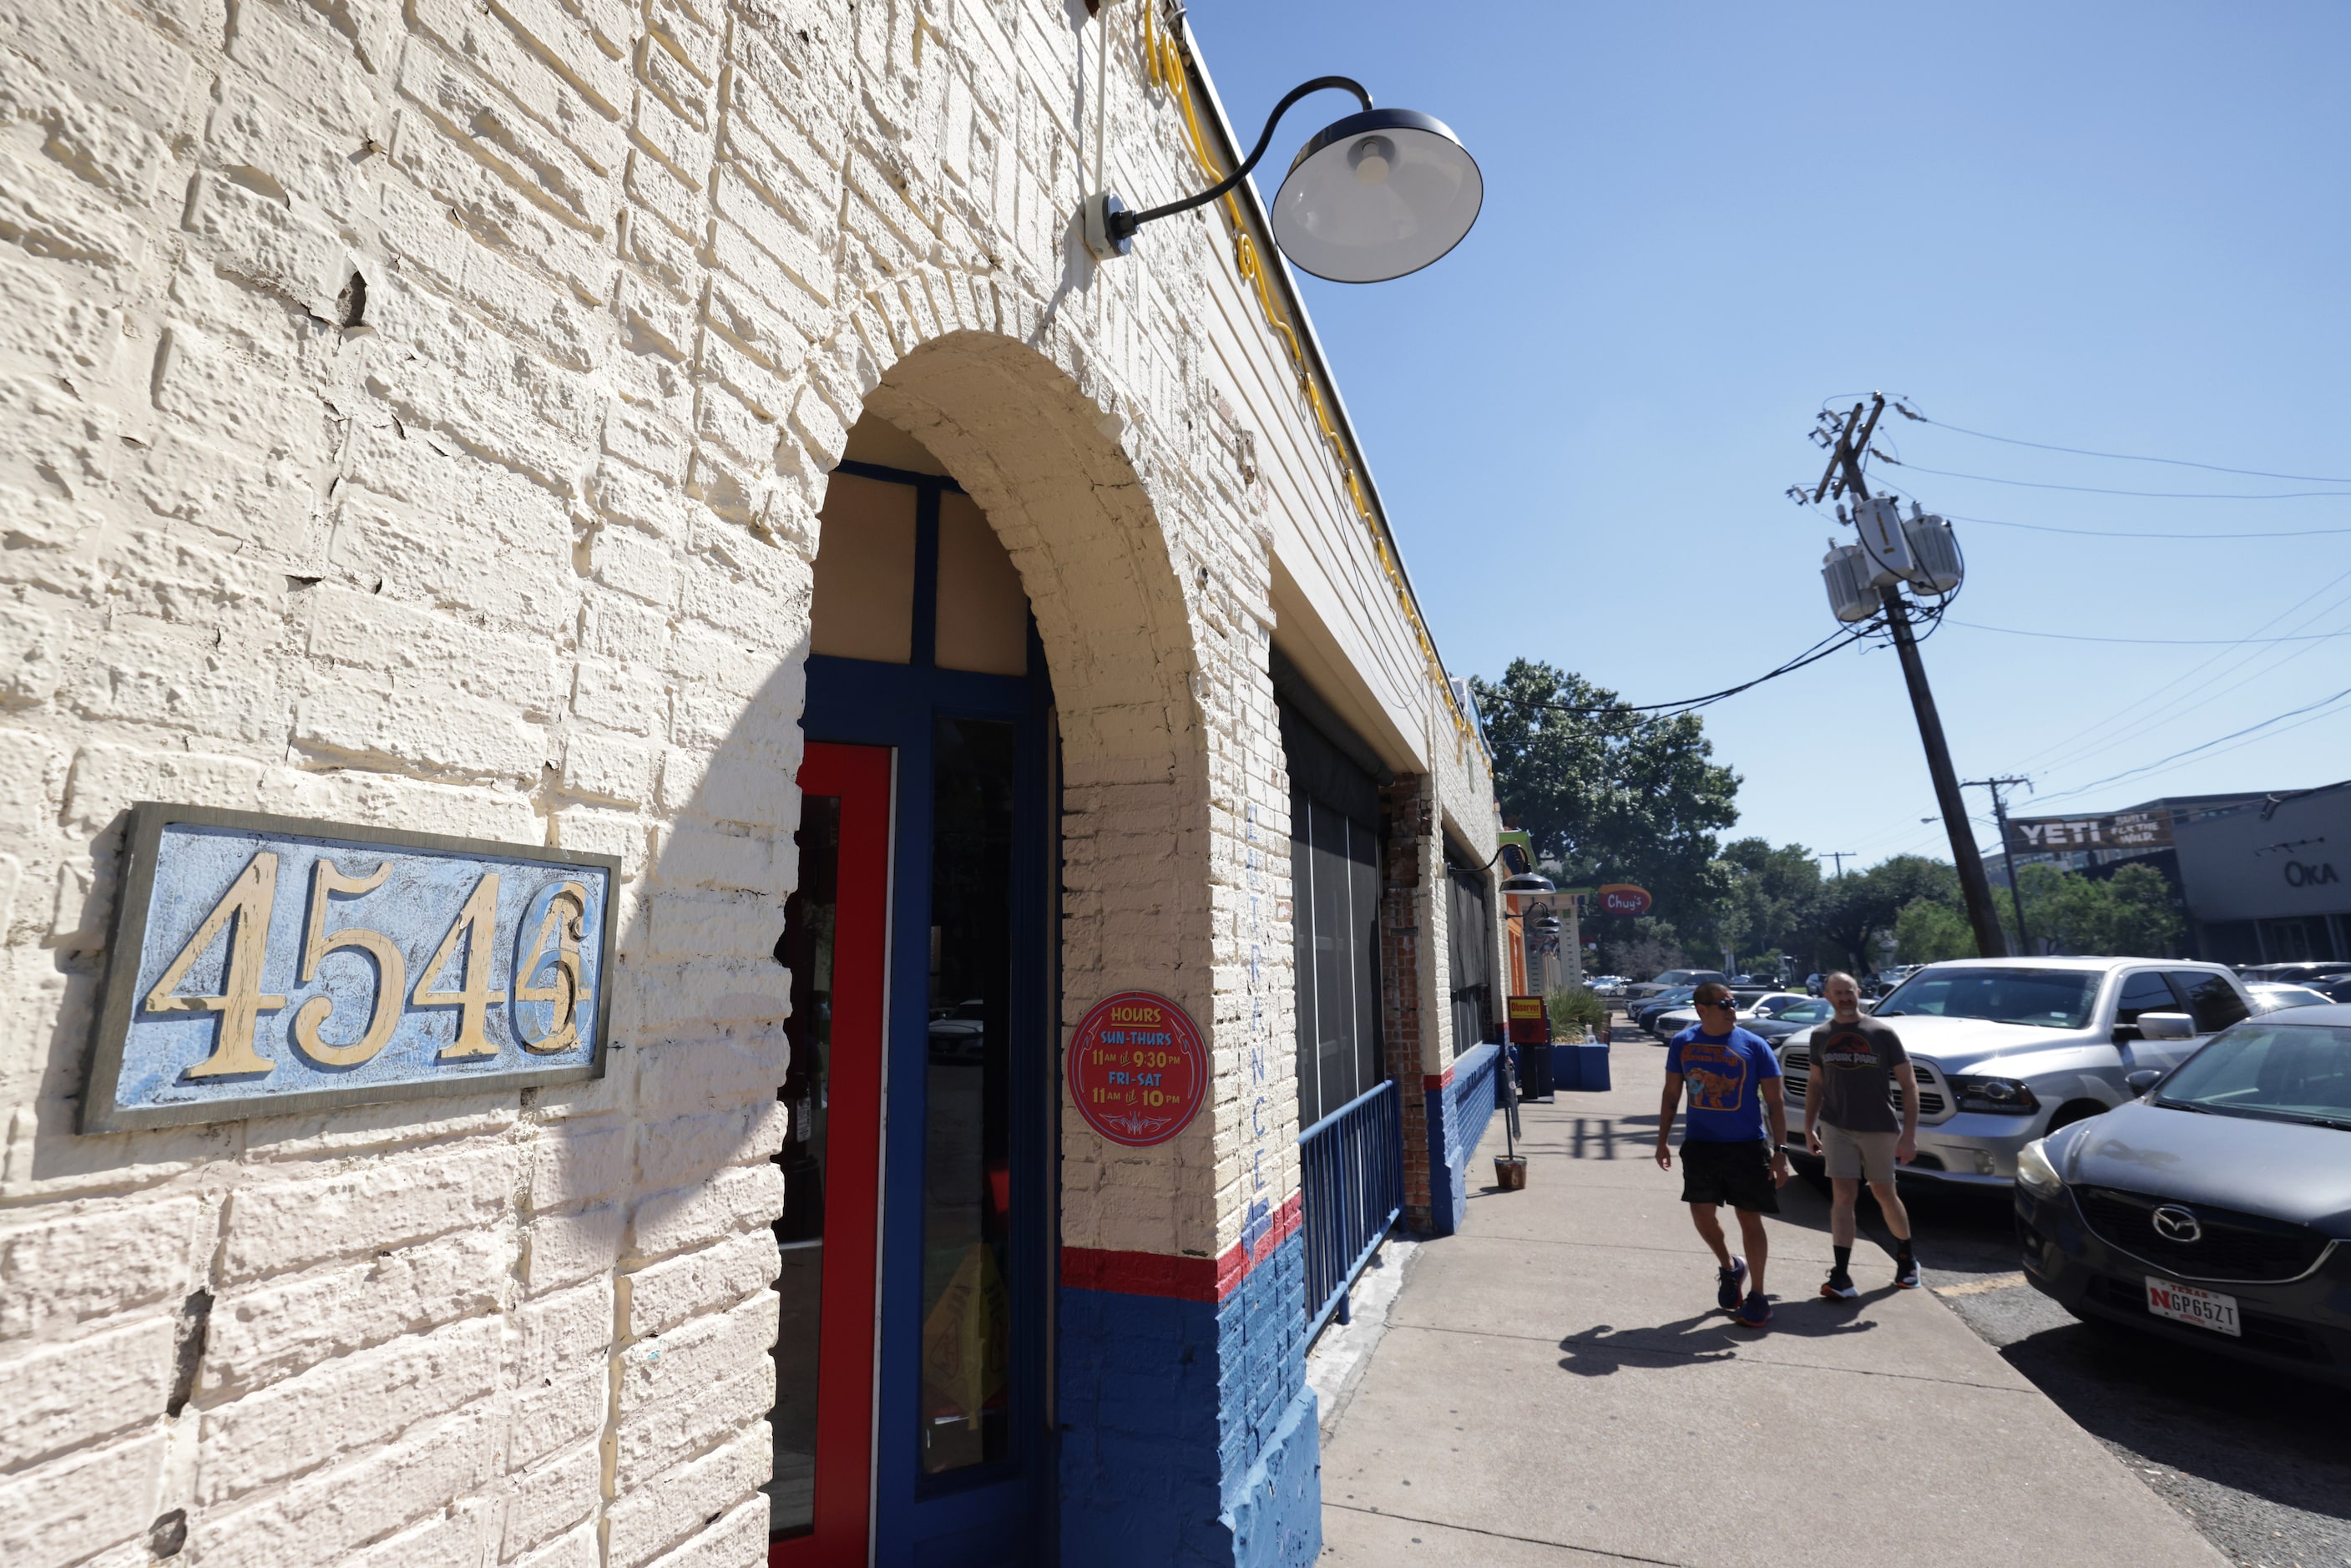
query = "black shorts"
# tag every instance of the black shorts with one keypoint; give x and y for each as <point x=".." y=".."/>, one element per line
<point x="1737" y="1174"/>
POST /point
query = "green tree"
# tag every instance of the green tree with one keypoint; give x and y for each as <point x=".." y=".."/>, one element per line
<point x="1640" y="948"/>
<point x="1854" y="908"/>
<point x="2130" y="914"/>
<point x="1928" y="931"/>
<point x="1612" y="795"/>
<point x="1773" y="897"/>
<point x="2146" y="919"/>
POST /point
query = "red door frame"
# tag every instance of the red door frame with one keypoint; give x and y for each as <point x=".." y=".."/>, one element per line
<point x="859" y="776"/>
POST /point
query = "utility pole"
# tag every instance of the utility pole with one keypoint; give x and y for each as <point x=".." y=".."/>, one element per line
<point x="1840" y="856"/>
<point x="1844" y="473"/>
<point x="1999" y="815"/>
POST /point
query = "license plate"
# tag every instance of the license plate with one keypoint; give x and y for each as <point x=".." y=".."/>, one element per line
<point x="2186" y="1304"/>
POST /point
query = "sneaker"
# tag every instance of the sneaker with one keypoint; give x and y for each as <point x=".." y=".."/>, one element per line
<point x="1754" y="1311"/>
<point x="1727" y="1283"/>
<point x="1905" y="1274"/>
<point x="1839" y="1284"/>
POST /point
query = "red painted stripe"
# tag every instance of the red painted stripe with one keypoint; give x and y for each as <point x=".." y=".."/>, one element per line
<point x="1440" y="1080"/>
<point x="1180" y="1279"/>
<point x="1139" y="1273"/>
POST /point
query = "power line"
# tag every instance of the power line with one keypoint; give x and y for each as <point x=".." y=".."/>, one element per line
<point x="1810" y="656"/>
<point x="2130" y="534"/>
<point x="2309" y="708"/>
<point x="1908" y="413"/>
<point x="2082" y="741"/>
<point x="2247" y="671"/>
<point x="2104" y="490"/>
<point x="2155" y="642"/>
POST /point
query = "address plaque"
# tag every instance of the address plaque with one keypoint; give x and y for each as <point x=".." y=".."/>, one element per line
<point x="263" y="965"/>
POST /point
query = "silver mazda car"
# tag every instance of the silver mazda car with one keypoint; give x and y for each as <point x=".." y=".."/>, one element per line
<point x="2216" y="1208"/>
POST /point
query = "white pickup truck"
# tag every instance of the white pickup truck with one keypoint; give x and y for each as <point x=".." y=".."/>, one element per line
<point x="2009" y="1049"/>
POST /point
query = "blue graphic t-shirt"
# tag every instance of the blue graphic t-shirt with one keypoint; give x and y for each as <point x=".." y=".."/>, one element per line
<point x="1724" y="1078"/>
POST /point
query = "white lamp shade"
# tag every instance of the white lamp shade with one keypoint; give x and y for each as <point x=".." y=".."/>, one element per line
<point x="1376" y="195"/>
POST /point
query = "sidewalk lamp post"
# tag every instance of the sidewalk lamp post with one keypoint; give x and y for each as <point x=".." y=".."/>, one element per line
<point x="1372" y="196"/>
<point x="1526" y="885"/>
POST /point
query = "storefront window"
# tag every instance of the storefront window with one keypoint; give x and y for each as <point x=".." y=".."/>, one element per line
<point x="807" y="950"/>
<point x="1335" y="884"/>
<point x="968" y="1170"/>
<point x="1469" y="946"/>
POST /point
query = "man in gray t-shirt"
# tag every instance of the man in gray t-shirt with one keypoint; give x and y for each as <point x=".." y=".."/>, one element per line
<point x="1857" y="1064"/>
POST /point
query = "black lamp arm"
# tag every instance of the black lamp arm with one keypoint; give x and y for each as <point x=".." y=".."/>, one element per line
<point x="1122" y="225"/>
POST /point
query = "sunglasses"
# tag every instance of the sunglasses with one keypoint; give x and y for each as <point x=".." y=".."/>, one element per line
<point x="1726" y="1002"/>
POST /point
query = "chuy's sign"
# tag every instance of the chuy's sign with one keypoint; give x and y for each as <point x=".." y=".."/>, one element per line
<point x="1623" y="898"/>
<point x="264" y="965"/>
<point x="2122" y="831"/>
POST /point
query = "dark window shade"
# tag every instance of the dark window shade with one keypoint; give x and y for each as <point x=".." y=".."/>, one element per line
<point x="1322" y="769"/>
<point x="1468" y="951"/>
<point x="1334" y="807"/>
<point x="1335" y="902"/>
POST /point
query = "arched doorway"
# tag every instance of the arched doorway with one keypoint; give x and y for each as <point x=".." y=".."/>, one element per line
<point x="911" y="1418"/>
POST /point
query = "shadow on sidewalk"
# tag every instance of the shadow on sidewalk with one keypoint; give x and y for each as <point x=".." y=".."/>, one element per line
<point x="1711" y="1336"/>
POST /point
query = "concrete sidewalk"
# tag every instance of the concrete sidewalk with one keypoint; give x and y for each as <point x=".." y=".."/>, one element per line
<point x="1555" y="1386"/>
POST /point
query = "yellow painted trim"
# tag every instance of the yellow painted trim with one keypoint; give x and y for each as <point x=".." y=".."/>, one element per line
<point x="1165" y="61"/>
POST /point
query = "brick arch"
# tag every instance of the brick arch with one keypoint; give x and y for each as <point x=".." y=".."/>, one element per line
<point x="1114" y="615"/>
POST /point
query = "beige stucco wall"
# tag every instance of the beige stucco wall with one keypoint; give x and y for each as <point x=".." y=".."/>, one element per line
<point x="521" y="551"/>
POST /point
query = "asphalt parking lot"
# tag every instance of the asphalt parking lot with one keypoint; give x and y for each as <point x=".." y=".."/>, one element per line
<point x="2261" y="1463"/>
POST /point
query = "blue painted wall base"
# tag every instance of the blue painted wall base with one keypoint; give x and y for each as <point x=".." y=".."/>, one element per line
<point x="1459" y="1109"/>
<point x="1275" y="1519"/>
<point x="1188" y="1436"/>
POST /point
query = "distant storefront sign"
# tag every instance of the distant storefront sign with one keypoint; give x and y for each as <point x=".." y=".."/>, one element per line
<point x="264" y="965"/>
<point x="1623" y="898"/>
<point x="2122" y="831"/>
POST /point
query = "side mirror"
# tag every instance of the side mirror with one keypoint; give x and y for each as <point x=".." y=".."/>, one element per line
<point x="2143" y="1079"/>
<point x="2166" y="1026"/>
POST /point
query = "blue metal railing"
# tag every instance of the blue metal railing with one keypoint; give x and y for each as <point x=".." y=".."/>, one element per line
<point x="1352" y="1181"/>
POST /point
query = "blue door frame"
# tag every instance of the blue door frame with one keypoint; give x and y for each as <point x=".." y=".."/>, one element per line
<point x="1001" y="1512"/>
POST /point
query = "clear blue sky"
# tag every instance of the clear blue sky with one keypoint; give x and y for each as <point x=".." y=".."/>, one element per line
<point x="2116" y="226"/>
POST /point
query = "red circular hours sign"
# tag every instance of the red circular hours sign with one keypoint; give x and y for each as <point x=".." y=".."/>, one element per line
<point x="1137" y="1069"/>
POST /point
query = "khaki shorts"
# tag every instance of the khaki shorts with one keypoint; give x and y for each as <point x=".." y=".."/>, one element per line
<point x="1857" y="1156"/>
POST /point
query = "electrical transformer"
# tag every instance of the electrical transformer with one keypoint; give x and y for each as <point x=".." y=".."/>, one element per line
<point x="1934" y="552"/>
<point x="1846" y="570"/>
<point x="1883" y="539"/>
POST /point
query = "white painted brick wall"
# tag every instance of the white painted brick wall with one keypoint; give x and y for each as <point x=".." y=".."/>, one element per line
<point x="523" y="554"/>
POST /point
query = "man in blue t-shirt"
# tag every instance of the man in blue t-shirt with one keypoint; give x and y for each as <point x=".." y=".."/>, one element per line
<point x="1729" y="1155"/>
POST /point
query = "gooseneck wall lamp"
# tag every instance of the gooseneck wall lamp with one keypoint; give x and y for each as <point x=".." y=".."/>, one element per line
<point x="1373" y="196"/>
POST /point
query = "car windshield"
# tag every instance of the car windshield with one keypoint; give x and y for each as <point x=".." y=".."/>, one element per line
<point x="2296" y="1072"/>
<point x="2044" y="998"/>
<point x="1804" y="1012"/>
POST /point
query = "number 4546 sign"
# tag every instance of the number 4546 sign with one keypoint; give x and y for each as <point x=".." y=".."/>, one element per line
<point x="265" y="964"/>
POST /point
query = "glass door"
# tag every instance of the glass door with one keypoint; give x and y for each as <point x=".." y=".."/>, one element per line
<point x="956" y="1445"/>
<point x="835" y="933"/>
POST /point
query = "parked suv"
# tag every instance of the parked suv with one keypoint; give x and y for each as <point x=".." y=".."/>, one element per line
<point x="2009" y="1049"/>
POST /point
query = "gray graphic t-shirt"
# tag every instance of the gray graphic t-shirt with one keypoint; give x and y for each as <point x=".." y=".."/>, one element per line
<point x="1853" y="1074"/>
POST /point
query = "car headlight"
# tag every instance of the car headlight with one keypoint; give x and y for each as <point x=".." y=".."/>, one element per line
<point x="2000" y="1096"/>
<point x="2034" y="1173"/>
